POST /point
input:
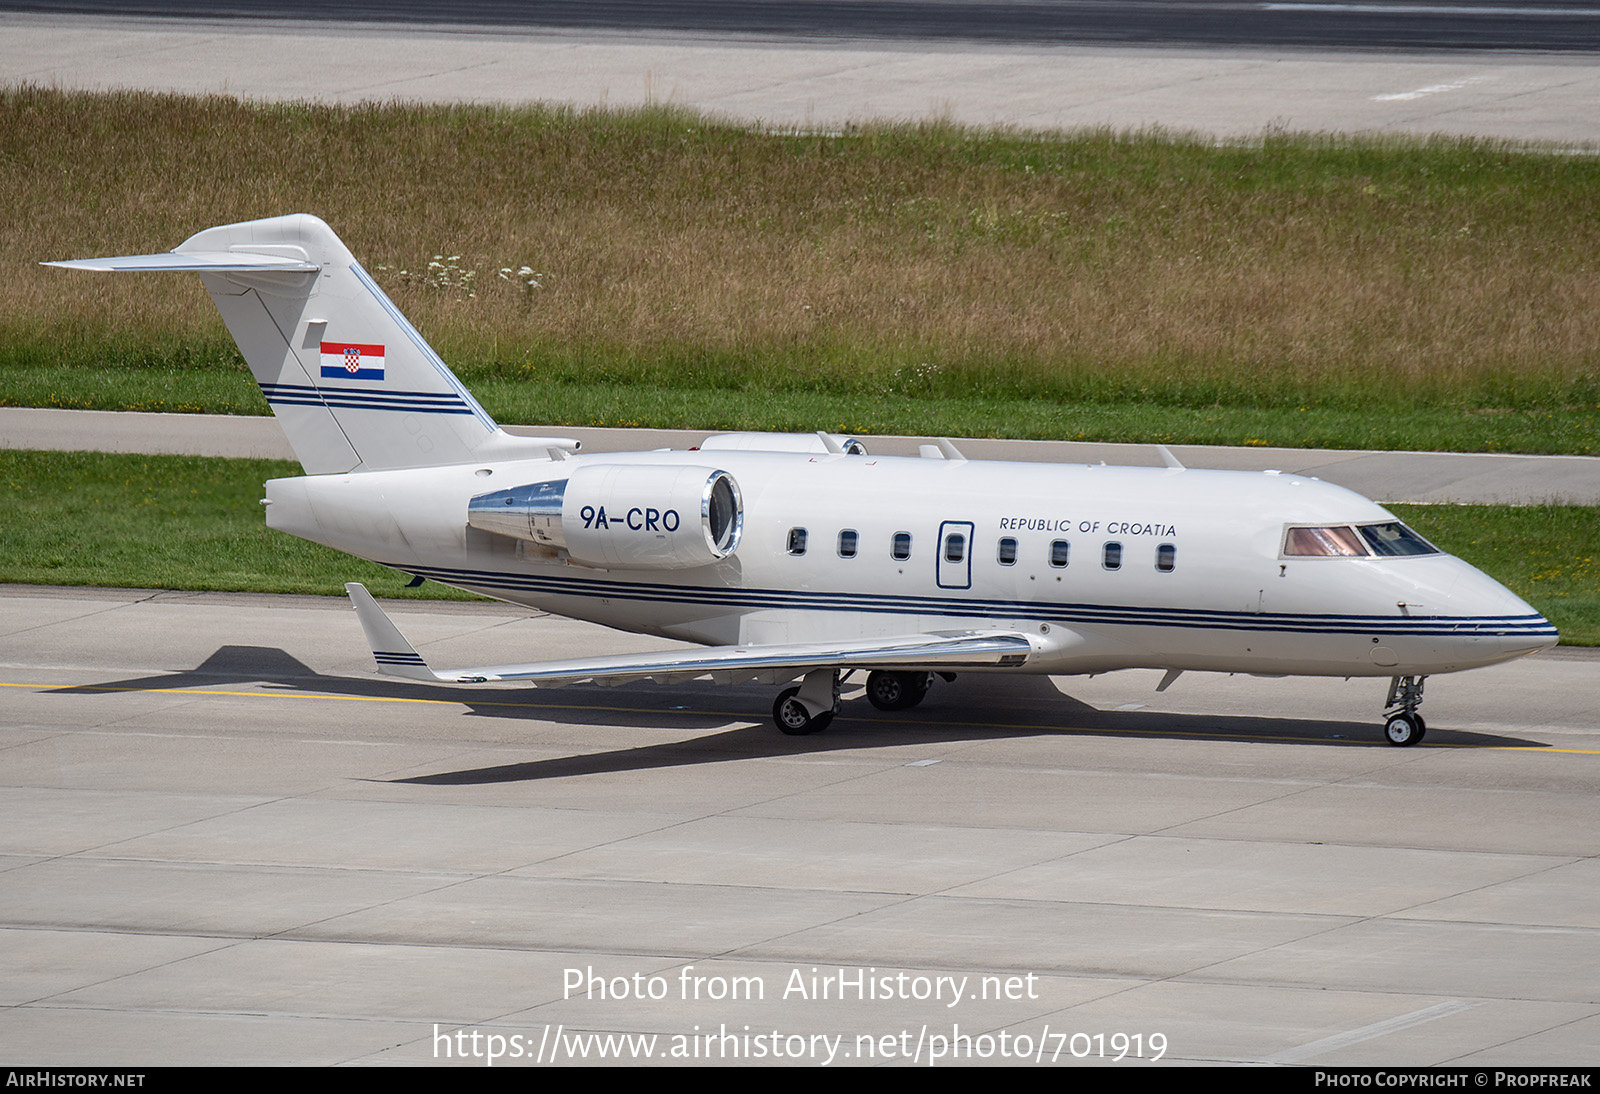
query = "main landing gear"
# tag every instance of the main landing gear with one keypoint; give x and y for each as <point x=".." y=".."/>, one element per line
<point x="811" y="706"/>
<point x="1403" y="726"/>
<point x="897" y="690"/>
<point x="794" y="719"/>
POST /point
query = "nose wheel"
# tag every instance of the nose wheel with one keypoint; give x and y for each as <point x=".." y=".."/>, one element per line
<point x="1404" y="726"/>
<point x="1404" y="729"/>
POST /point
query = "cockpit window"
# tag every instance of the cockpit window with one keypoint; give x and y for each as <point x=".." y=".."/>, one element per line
<point x="1342" y="541"/>
<point x="1396" y="539"/>
<point x="1323" y="542"/>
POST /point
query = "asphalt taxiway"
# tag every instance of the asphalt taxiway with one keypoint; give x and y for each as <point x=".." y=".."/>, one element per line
<point x="227" y="841"/>
<point x="1425" y="477"/>
<point x="1528" y="77"/>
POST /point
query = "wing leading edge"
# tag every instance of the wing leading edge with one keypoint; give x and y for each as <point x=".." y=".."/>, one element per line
<point x="723" y="664"/>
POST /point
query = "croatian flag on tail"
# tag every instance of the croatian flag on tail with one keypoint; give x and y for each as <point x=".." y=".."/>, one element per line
<point x="351" y="361"/>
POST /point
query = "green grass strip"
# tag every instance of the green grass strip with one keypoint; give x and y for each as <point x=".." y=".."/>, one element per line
<point x="661" y="268"/>
<point x="166" y="522"/>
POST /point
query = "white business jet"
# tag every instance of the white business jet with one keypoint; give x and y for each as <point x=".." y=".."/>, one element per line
<point x="802" y="558"/>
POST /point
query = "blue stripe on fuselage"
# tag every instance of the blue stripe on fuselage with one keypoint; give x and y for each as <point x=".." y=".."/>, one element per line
<point x="1464" y="626"/>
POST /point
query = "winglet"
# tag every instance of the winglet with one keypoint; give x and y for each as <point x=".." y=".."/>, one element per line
<point x="395" y="656"/>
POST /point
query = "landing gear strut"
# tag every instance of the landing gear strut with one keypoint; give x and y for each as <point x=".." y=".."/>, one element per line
<point x="1403" y="725"/>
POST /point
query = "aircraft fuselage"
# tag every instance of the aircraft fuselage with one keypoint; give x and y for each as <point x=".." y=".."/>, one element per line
<point x="1161" y="567"/>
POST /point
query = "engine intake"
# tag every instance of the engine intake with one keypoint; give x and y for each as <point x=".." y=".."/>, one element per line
<point x="627" y="516"/>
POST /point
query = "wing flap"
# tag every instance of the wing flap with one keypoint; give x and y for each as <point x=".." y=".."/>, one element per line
<point x="723" y="664"/>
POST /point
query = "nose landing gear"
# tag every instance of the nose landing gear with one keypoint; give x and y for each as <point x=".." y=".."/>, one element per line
<point x="1404" y="726"/>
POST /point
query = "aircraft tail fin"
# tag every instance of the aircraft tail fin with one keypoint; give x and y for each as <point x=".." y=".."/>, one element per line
<point x="352" y="383"/>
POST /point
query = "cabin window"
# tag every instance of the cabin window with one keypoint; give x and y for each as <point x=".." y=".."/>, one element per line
<point x="955" y="547"/>
<point x="1396" y="539"/>
<point x="1338" y="541"/>
<point x="797" y="541"/>
<point x="1166" y="557"/>
<point x="847" y="543"/>
<point x="1059" y="551"/>
<point x="1111" y="558"/>
<point x="901" y="549"/>
<point x="1007" y="553"/>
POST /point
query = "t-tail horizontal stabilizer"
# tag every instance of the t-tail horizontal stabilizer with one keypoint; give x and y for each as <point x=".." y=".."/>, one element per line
<point x="191" y="262"/>
<point x="353" y="384"/>
<point x="942" y="650"/>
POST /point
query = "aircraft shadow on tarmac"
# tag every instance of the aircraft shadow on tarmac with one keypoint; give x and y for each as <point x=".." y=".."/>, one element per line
<point x="975" y="708"/>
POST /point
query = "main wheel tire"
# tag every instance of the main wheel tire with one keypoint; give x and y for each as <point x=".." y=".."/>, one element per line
<point x="896" y="690"/>
<point x="886" y="690"/>
<point x="794" y="719"/>
<point x="919" y="682"/>
<point x="1404" y="730"/>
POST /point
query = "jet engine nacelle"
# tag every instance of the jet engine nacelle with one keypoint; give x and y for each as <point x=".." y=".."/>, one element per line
<point x="627" y="516"/>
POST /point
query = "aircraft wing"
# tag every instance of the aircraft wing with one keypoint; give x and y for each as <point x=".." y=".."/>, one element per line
<point x="723" y="664"/>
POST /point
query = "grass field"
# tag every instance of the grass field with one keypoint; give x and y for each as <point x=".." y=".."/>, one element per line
<point x="165" y="522"/>
<point x="78" y="518"/>
<point x="655" y="268"/>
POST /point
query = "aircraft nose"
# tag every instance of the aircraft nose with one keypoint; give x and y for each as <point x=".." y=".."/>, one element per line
<point x="1537" y="634"/>
<point x="1546" y="632"/>
<point x="1510" y="624"/>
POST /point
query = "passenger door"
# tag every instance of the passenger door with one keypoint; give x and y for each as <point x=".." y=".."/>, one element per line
<point x="955" y="555"/>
